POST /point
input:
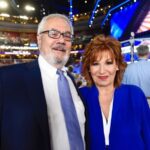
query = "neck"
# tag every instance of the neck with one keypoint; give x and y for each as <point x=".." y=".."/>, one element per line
<point x="58" y="66"/>
<point x="106" y="90"/>
<point x="143" y="57"/>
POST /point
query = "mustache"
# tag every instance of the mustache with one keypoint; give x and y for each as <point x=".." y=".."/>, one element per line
<point x="60" y="47"/>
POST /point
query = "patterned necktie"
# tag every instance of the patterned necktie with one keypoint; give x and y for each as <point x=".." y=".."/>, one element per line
<point x="71" y="120"/>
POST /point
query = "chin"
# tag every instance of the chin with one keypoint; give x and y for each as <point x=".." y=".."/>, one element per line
<point x="104" y="85"/>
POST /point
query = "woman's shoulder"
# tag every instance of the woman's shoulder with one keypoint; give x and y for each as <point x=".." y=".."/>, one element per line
<point x="131" y="91"/>
<point x="87" y="89"/>
<point x="131" y="88"/>
<point x="84" y="90"/>
<point x="134" y="96"/>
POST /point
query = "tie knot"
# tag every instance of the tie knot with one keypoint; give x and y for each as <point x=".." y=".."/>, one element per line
<point x="59" y="72"/>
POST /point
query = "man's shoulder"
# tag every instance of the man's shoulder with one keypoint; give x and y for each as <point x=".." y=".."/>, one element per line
<point x="16" y="67"/>
<point x="141" y="64"/>
<point x="131" y="67"/>
<point x="137" y="64"/>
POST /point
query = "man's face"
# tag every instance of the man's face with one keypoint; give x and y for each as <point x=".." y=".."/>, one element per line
<point x="55" y="51"/>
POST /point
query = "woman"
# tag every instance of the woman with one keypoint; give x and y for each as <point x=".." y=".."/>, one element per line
<point x="118" y="115"/>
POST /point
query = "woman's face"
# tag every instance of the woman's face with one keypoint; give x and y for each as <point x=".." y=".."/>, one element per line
<point x="103" y="70"/>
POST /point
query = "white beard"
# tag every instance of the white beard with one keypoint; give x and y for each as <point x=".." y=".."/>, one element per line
<point x="55" y="61"/>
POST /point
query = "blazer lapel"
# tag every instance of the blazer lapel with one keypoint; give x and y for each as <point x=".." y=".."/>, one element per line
<point x="119" y="96"/>
<point x="97" y="116"/>
<point x="37" y="98"/>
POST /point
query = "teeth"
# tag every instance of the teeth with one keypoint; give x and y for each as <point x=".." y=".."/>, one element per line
<point x="57" y="49"/>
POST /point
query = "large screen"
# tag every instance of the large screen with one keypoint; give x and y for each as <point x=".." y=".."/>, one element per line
<point x="145" y="25"/>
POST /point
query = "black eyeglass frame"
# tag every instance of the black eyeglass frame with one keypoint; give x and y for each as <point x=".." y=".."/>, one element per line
<point x="58" y="34"/>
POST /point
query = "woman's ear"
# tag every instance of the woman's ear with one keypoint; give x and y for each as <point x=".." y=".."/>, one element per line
<point x="117" y="68"/>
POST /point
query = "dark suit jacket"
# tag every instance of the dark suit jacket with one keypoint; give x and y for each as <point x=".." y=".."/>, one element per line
<point x="130" y="124"/>
<point x="23" y="110"/>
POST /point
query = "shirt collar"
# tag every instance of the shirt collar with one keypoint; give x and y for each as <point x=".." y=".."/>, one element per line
<point x="47" y="68"/>
<point x="143" y="59"/>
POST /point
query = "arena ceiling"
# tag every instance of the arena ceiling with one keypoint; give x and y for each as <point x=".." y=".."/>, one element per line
<point x="44" y="7"/>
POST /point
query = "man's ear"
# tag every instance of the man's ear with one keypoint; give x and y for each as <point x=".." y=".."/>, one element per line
<point x="38" y="40"/>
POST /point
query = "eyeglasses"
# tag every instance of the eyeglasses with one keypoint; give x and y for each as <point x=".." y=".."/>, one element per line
<point x="55" y="34"/>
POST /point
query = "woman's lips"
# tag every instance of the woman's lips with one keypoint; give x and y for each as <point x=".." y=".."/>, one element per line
<point x="103" y="77"/>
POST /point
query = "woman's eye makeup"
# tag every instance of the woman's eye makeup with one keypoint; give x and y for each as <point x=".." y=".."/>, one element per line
<point x="109" y="62"/>
<point x="95" y="63"/>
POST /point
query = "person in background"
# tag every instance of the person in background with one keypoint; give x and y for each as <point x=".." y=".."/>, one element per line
<point x="31" y="111"/>
<point x="79" y="80"/>
<point x="70" y="69"/>
<point x="138" y="73"/>
<point x="118" y="116"/>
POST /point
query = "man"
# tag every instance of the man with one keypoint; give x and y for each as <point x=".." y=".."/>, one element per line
<point x="138" y="73"/>
<point x="30" y="109"/>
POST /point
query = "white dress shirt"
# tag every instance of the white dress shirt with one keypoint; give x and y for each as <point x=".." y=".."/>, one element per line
<point x="58" y="131"/>
<point x="107" y="124"/>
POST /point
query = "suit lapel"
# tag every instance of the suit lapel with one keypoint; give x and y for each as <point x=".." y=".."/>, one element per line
<point x="33" y="82"/>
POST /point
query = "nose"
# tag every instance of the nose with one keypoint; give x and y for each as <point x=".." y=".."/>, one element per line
<point x="61" y="39"/>
<point x="101" y="69"/>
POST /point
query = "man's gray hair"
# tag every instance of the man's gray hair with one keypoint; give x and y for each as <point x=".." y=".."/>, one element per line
<point x="44" y="20"/>
<point x="143" y="50"/>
